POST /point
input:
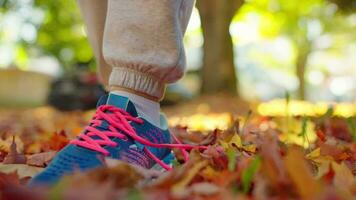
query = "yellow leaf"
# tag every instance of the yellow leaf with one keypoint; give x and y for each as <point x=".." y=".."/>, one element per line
<point x="224" y="145"/>
<point x="189" y="176"/>
<point x="236" y="140"/>
<point x="314" y="154"/>
<point x="210" y="173"/>
<point x="250" y="148"/>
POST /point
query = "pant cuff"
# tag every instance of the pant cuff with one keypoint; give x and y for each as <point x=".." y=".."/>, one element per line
<point x="136" y="81"/>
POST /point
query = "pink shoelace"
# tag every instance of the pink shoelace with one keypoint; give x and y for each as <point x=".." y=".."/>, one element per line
<point x="118" y="119"/>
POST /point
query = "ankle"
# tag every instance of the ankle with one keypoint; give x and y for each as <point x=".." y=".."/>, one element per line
<point x="146" y="108"/>
<point x="133" y="92"/>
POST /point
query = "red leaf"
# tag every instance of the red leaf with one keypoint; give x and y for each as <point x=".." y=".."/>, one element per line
<point x="321" y="135"/>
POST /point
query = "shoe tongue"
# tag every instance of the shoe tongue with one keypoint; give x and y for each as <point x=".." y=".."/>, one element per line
<point x="123" y="103"/>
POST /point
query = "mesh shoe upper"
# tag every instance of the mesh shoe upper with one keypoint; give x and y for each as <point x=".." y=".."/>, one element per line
<point x="118" y="132"/>
<point x="75" y="157"/>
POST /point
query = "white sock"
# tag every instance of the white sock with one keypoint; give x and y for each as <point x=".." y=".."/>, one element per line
<point x="146" y="108"/>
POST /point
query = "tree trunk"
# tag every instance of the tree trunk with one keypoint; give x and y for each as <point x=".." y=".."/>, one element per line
<point x="218" y="71"/>
<point x="304" y="50"/>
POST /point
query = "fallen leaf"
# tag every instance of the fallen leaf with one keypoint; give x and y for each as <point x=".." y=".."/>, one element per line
<point x="8" y="178"/>
<point x="321" y="135"/>
<point x="122" y="175"/>
<point x="81" y="187"/>
<point x="233" y="142"/>
<point x="300" y="174"/>
<point x="11" y="188"/>
<point x="13" y="157"/>
<point x="22" y="169"/>
<point x="205" y="189"/>
<point x="56" y="142"/>
<point x="314" y="154"/>
<point x="343" y="178"/>
<point x="41" y="159"/>
<point x="249" y="173"/>
<point x="146" y="173"/>
<point x="272" y="163"/>
<point x="179" y="186"/>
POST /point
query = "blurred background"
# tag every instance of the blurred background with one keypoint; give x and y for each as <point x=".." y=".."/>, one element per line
<point x="252" y="50"/>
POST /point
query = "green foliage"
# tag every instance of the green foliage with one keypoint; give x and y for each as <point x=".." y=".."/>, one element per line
<point x="4" y="5"/>
<point x="176" y="163"/>
<point x="304" y="130"/>
<point x="134" y="194"/>
<point x="283" y="17"/>
<point x="352" y="128"/>
<point x="231" y="155"/>
<point x="304" y="127"/>
<point x="293" y="19"/>
<point x="345" y="5"/>
<point x="249" y="173"/>
<point x="62" y="33"/>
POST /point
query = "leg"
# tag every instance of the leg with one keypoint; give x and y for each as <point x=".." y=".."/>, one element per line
<point x="94" y="15"/>
<point x="143" y="45"/>
<point x="143" y="42"/>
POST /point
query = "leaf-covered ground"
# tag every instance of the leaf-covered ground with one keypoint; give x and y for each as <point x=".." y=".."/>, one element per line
<point x="249" y="157"/>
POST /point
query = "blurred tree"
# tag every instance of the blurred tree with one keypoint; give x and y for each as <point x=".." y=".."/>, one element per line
<point x="59" y="32"/>
<point x="301" y="21"/>
<point x="62" y="33"/>
<point x="4" y="5"/>
<point x="345" y="5"/>
<point x="218" y="72"/>
<point x="16" y="32"/>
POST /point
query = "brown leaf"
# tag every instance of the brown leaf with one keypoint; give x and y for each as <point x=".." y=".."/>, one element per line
<point x="41" y="159"/>
<point x="217" y="157"/>
<point x="11" y="187"/>
<point x="8" y="178"/>
<point x="210" y="139"/>
<point x="85" y="189"/>
<point x="336" y="151"/>
<point x="337" y="128"/>
<point x="122" y="175"/>
<point x="146" y="173"/>
<point x="100" y="183"/>
<point x="21" y="169"/>
<point x="3" y="154"/>
<point x="13" y="157"/>
<point x="185" y="136"/>
<point x="272" y="161"/>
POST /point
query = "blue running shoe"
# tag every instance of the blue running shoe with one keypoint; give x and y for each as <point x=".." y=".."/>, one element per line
<point x="118" y="132"/>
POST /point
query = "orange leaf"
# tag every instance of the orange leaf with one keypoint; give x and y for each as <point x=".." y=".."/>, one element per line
<point x="56" y="142"/>
<point x="301" y="175"/>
